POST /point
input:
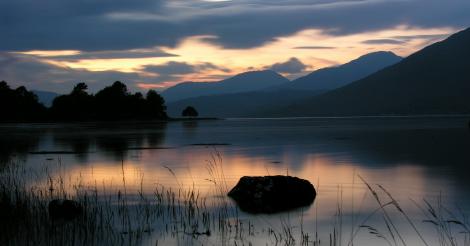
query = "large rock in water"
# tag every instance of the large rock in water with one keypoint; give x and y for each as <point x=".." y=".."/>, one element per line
<point x="63" y="209"/>
<point x="270" y="194"/>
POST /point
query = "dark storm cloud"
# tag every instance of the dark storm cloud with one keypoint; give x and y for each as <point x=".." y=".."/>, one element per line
<point x="383" y="41"/>
<point x="69" y="24"/>
<point x="292" y="66"/>
<point x="121" y="24"/>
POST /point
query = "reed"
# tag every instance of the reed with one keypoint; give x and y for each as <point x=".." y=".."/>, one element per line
<point x="125" y="216"/>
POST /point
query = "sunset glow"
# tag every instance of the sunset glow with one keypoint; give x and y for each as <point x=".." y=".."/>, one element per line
<point x="312" y="47"/>
<point x="234" y="122"/>
<point x="157" y="44"/>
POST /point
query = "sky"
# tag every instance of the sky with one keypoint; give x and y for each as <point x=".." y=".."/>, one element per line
<point x="154" y="44"/>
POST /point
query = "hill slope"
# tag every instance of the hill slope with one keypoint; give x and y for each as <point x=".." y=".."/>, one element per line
<point x="246" y="104"/>
<point x="434" y="80"/>
<point x="244" y="82"/>
<point x="255" y="103"/>
<point x="334" y="77"/>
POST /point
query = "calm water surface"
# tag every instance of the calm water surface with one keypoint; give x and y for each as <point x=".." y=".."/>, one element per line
<point x="413" y="158"/>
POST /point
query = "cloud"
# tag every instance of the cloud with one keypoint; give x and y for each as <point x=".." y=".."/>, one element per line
<point x="383" y="41"/>
<point x="115" y="29"/>
<point x="37" y="74"/>
<point x="91" y="25"/>
<point x="112" y="54"/>
<point x="422" y="36"/>
<point x="292" y="66"/>
<point x="182" y="68"/>
<point x="171" y="68"/>
<point x="314" y="47"/>
<point x="176" y="71"/>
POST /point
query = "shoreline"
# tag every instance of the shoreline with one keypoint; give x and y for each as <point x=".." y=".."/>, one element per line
<point x="182" y="119"/>
<point x="111" y="122"/>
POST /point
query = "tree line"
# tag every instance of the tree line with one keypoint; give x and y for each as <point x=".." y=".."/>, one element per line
<point x="113" y="102"/>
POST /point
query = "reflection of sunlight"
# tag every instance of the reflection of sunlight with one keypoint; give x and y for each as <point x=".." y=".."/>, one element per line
<point x="184" y="168"/>
<point x="335" y="177"/>
<point x="332" y="166"/>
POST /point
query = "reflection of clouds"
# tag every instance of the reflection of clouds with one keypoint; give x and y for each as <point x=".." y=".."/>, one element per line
<point x="111" y="140"/>
<point x="189" y="166"/>
<point x="387" y="151"/>
<point x="16" y="145"/>
<point x="405" y="155"/>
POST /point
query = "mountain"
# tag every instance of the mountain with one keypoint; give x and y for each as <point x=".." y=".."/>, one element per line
<point x="255" y="103"/>
<point x="335" y="77"/>
<point x="45" y="97"/>
<point x="246" y="104"/>
<point x="434" y="80"/>
<point x="244" y="82"/>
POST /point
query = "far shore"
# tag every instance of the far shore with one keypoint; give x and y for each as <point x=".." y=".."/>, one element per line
<point x="186" y="119"/>
<point x="113" y="121"/>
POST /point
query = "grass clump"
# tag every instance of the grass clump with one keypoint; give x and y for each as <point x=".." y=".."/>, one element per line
<point x="128" y="215"/>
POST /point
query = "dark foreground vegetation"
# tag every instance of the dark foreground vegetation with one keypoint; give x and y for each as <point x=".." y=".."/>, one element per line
<point x="114" y="102"/>
<point x="125" y="216"/>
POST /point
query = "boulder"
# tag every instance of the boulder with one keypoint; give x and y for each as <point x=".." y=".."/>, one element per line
<point x="63" y="209"/>
<point x="271" y="194"/>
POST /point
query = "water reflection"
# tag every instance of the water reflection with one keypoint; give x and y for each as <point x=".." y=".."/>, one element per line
<point x="335" y="181"/>
<point x="190" y="127"/>
<point x="427" y="142"/>
<point x="280" y="144"/>
<point x="412" y="157"/>
<point x="113" y="141"/>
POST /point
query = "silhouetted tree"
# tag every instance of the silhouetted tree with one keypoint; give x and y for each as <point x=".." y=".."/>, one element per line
<point x="156" y="105"/>
<point x="116" y="103"/>
<point x="189" y="111"/>
<point x="78" y="105"/>
<point x="80" y="89"/>
<point x="111" y="103"/>
<point x="19" y="104"/>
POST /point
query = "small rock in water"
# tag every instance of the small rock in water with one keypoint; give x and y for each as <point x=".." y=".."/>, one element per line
<point x="63" y="209"/>
<point x="271" y="194"/>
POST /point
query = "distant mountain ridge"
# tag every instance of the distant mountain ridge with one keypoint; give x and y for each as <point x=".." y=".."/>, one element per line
<point x="255" y="103"/>
<point x="334" y="77"/>
<point x="46" y="97"/>
<point x="434" y="80"/>
<point x="244" y="82"/>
